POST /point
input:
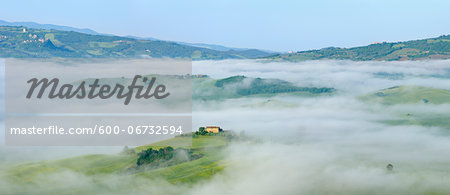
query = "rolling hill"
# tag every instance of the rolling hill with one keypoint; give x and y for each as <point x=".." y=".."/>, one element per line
<point x="92" y="32"/>
<point x="28" y="39"/>
<point x="206" y="88"/>
<point x="433" y="48"/>
<point x="48" y="27"/>
<point x="409" y="95"/>
<point x="22" y="42"/>
<point x="417" y="95"/>
<point x="122" y="166"/>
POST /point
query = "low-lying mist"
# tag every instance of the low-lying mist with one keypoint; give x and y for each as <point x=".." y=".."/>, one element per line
<point x="324" y="144"/>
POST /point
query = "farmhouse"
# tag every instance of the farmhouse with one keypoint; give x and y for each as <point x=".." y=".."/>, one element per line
<point x="213" y="129"/>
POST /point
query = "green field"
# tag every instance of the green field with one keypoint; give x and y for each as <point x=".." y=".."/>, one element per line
<point x="413" y="95"/>
<point x="206" y="88"/>
<point x="122" y="166"/>
<point x="409" y="95"/>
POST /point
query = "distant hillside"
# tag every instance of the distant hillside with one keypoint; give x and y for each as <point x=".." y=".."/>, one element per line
<point x="48" y="27"/>
<point x="92" y="32"/>
<point x="409" y="95"/>
<point x="221" y="47"/>
<point x="206" y="88"/>
<point x="23" y="42"/>
<point x="434" y="48"/>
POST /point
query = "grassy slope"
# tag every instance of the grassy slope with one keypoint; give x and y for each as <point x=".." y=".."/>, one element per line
<point x="413" y="95"/>
<point x="206" y="88"/>
<point x="94" y="165"/>
<point x="409" y="95"/>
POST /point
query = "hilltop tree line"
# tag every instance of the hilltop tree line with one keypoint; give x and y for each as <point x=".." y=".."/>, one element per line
<point x="166" y="156"/>
<point x="267" y="86"/>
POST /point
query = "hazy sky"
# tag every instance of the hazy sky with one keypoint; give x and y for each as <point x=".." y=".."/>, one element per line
<point x="280" y="25"/>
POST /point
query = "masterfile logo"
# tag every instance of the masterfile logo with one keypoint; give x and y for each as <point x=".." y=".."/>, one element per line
<point x="68" y="91"/>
